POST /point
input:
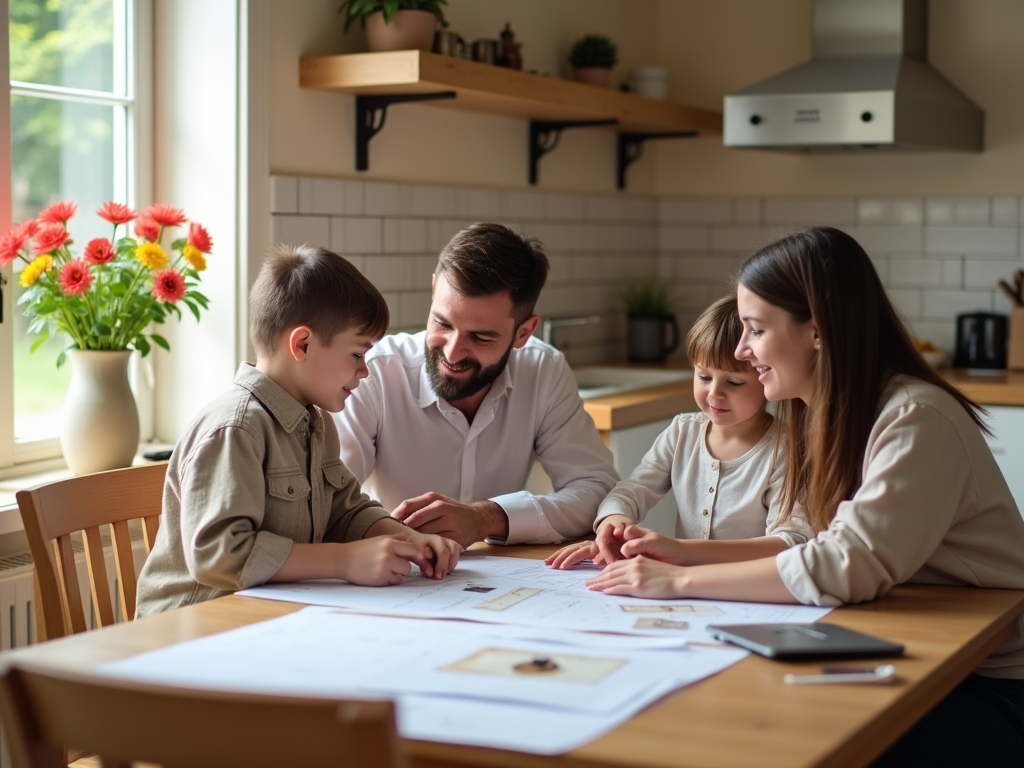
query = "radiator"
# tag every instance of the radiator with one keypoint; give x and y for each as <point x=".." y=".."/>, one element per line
<point x="17" y="600"/>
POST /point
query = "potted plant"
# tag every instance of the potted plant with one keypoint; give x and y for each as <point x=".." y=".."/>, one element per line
<point x="649" y="308"/>
<point x="592" y="58"/>
<point x="105" y="300"/>
<point x="396" y="25"/>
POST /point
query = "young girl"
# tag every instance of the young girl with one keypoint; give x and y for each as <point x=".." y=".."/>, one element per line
<point x="892" y="466"/>
<point x="720" y="463"/>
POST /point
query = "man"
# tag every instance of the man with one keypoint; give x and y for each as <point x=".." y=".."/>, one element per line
<point x="446" y="427"/>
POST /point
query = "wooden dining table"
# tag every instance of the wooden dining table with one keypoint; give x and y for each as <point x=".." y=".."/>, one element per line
<point x="744" y="716"/>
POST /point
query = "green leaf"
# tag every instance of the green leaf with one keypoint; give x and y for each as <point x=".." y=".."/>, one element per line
<point x="178" y="244"/>
<point x="194" y="308"/>
<point x="101" y="328"/>
<point x="160" y="341"/>
<point x="61" y="359"/>
<point x="142" y="345"/>
<point x="43" y="338"/>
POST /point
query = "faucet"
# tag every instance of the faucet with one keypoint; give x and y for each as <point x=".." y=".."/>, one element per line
<point x="548" y="325"/>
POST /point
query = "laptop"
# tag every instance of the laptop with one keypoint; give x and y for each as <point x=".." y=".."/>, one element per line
<point x="804" y="641"/>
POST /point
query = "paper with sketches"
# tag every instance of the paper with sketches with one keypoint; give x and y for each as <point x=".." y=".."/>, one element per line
<point x="526" y="592"/>
<point x="452" y="680"/>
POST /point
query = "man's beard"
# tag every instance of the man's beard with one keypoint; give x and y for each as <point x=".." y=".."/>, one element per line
<point x="452" y="389"/>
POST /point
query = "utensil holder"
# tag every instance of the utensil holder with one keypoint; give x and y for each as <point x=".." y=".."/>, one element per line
<point x="1015" y="356"/>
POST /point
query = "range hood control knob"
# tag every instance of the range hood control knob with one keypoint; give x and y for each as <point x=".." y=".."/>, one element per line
<point x="866" y="117"/>
<point x="755" y="119"/>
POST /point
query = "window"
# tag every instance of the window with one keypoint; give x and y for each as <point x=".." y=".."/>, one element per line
<point x="76" y="126"/>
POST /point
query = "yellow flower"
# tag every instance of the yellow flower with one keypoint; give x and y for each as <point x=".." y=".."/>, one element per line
<point x="194" y="257"/>
<point x="35" y="270"/>
<point x="151" y="255"/>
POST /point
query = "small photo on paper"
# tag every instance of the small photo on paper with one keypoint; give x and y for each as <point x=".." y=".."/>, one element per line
<point x="477" y="588"/>
<point x="568" y="668"/>
<point x="647" y="622"/>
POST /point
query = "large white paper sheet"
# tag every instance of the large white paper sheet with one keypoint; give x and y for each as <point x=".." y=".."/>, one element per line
<point x="525" y="592"/>
<point x="325" y="652"/>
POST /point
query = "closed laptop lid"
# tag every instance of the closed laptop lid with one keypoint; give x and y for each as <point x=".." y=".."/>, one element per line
<point x="792" y="641"/>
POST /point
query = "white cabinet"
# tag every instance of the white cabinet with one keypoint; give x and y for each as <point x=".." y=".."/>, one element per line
<point x="1007" y="444"/>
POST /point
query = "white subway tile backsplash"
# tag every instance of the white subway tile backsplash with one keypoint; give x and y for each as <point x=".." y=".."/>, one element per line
<point x="476" y="204"/>
<point x="811" y="212"/>
<point x="745" y="240"/>
<point x="879" y="240"/>
<point x="412" y="236"/>
<point x="284" y="194"/>
<point x="875" y="211"/>
<point x="642" y="209"/>
<point x="907" y="300"/>
<point x="921" y="272"/>
<point x="958" y="210"/>
<point x="364" y="235"/>
<point x="293" y="230"/>
<point x="953" y="273"/>
<point x="393" y="300"/>
<point x="422" y="271"/>
<point x="717" y="268"/>
<point x="521" y="205"/>
<point x="748" y="211"/>
<point x="564" y="207"/>
<point x="380" y="199"/>
<point x="389" y="273"/>
<point x="944" y="304"/>
<point x="695" y="211"/>
<point x="355" y="198"/>
<point x="414" y="308"/>
<point x="1005" y="211"/>
<point x="606" y="209"/>
<point x="986" y="273"/>
<point x="426" y="201"/>
<point x="675" y="238"/>
<point x="972" y="241"/>
<point x="328" y="196"/>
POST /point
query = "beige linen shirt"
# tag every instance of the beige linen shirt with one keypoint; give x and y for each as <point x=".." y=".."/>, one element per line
<point x="736" y="499"/>
<point x="253" y="473"/>
<point x="932" y="508"/>
<point x="399" y="438"/>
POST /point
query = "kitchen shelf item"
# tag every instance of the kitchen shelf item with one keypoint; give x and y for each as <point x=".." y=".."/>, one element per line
<point x="497" y="90"/>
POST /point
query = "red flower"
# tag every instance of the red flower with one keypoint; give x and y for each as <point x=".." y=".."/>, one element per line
<point x="50" y="237"/>
<point x="75" y="277"/>
<point x="168" y="285"/>
<point x="10" y="246"/>
<point x="58" y="213"/>
<point x="166" y="215"/>
<point x="147" y="229"/>
<point x="116" y="213"/>
<point x="199" y="237"/>
<point x="27" y="228"/>
<point x="99" y="251"/>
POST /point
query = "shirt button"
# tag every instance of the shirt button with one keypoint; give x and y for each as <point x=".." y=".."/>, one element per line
<point x="291" y="490"/>
<point x="705" y="513"/>
<point x="714" y="465"/>
<point x="711" y="489"/>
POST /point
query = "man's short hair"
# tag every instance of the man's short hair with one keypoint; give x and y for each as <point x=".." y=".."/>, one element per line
<point x="487" y="259"/>
<point x="310" y="285"/>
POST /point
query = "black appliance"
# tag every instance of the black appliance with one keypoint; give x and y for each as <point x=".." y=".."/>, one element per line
<point x="981" y="341"/>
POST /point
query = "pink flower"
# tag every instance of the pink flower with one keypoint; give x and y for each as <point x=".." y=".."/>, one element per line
<point x="50" y="237"/>
<point x="75" y="277"/>
<point x="99" y="251"/>
<point x="165" y="215"/>
<point x="27" y="228"/>
<point x="168" y="285"/>
<point x="10" y="246"/>
<point x="58" y="213"/>
<point x="116" y="213"/>
<point x="199" y="237"/>
<point x="147" y="229"/>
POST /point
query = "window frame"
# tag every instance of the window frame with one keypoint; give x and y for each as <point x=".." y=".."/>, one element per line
<point x="133" y="185"/>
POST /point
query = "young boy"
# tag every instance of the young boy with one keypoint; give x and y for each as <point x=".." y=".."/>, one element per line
<point x="255" y="490"/>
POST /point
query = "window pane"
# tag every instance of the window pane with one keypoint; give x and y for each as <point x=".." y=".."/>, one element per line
<point x="69" y="43"/>
<point x="60" y="151"/>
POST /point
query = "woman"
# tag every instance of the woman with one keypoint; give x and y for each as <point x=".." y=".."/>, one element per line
<point x="892" y="466"/>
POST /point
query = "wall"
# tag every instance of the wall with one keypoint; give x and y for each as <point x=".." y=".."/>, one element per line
<point x="716" y="48"/>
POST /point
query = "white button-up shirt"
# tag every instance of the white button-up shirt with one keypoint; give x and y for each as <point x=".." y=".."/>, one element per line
<point x="401" y="440"/>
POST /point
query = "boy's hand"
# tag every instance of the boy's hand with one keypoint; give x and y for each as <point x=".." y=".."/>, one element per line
<point x="379" y="560"/>
<point x="441" y="555"/>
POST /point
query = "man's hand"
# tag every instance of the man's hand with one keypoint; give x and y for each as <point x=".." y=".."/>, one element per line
<point x="463" y="523"/>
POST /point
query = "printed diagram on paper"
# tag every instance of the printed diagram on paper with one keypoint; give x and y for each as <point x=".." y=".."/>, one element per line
<point x="508" y="590"/>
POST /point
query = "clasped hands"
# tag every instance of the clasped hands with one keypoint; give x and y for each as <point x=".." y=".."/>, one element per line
<point x="637" y="561"/>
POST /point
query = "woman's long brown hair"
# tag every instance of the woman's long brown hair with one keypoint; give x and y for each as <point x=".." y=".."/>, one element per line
<point x="823" y="275"/>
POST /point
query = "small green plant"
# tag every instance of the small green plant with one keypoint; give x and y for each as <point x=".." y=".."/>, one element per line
<point x="360" y="9"/>
<point x="647" y="298"/>
<point x="594" y="51"/>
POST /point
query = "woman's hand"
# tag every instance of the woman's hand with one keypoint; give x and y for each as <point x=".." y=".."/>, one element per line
<point x="640" y="577"/>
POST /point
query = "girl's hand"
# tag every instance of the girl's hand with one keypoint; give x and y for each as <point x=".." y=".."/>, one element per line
<point x="572" y="554"/>
<point x="642" y="542"/>
<point x="611" y="535"/>
<point x="640" y="577"/>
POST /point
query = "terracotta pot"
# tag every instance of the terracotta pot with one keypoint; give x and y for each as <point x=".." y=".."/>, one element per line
<point x="408" y="30"/>
<point x="600" y="76"/>
<point x="101" y="424"/>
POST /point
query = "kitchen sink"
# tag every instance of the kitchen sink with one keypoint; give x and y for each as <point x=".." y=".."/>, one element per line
<point x="602" y="381"/>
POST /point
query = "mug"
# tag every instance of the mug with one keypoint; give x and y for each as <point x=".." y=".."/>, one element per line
<point x="485" y="51"/>
<point x="449" y="43"/>
<point x="647" y="338"/>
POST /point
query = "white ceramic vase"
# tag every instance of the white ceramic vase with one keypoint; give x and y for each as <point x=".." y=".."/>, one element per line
<point x="100" y="420"/>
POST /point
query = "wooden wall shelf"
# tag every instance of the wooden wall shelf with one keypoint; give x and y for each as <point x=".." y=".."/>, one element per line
<point x="485" y="88"/>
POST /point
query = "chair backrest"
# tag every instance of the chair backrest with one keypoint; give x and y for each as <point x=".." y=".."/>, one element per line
<point x="122" y="721"/>
<point x="51" y="512"/>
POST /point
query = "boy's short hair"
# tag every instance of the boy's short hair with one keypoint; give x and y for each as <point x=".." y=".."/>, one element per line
<point x="309" y="285"/>
<point x="487" y="259"/>
<point x="713" y="339"/>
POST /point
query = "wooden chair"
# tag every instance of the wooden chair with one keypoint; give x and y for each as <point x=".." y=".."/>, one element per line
<point x="122" y="721"/>
<point x="53" y="511"/>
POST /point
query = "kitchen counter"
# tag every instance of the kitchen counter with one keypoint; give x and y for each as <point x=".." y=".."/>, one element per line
<point x="642" y="406"/>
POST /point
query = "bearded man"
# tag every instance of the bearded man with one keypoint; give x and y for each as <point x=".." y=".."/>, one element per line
<point x="446" y="428"/>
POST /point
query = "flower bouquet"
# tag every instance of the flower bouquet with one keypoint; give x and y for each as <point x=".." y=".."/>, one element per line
<point x="107" y="297"/>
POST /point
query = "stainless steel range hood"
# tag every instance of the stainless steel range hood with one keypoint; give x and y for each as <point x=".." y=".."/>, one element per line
<point x="868" y="87"/>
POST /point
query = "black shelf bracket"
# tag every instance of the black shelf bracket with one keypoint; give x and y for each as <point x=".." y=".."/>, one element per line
<point x="371" y="111"/>
<point x="544" y="136"/>
<point x="631" y="146"/>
